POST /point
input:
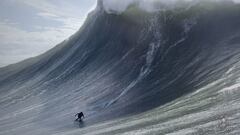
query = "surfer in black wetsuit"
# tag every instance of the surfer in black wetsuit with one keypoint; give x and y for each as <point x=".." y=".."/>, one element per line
<point x="79" y="116"/>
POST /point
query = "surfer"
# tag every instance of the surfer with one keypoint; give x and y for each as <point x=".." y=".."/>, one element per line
<point x="79" y="116"/>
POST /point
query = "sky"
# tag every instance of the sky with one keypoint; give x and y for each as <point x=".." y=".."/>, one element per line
<point x="31" y="27"/>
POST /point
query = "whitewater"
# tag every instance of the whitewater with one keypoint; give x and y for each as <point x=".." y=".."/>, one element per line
<point x="137" y="69"/>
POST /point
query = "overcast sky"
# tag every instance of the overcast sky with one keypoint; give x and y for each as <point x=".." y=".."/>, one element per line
<point x="31" y="27"/>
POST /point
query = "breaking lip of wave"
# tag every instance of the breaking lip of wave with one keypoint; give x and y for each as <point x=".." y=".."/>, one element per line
<point x="116" y="6"/>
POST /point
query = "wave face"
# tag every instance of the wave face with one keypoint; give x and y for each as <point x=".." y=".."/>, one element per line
<point x="171" y="72"/>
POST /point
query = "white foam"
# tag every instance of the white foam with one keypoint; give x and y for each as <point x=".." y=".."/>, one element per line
<point x="119" y="6"/>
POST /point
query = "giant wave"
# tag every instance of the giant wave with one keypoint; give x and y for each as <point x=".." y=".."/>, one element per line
<point x="173" y="71"/>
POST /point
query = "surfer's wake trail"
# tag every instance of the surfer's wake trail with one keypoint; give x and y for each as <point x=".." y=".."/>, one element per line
<point x="172" y="71"/>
